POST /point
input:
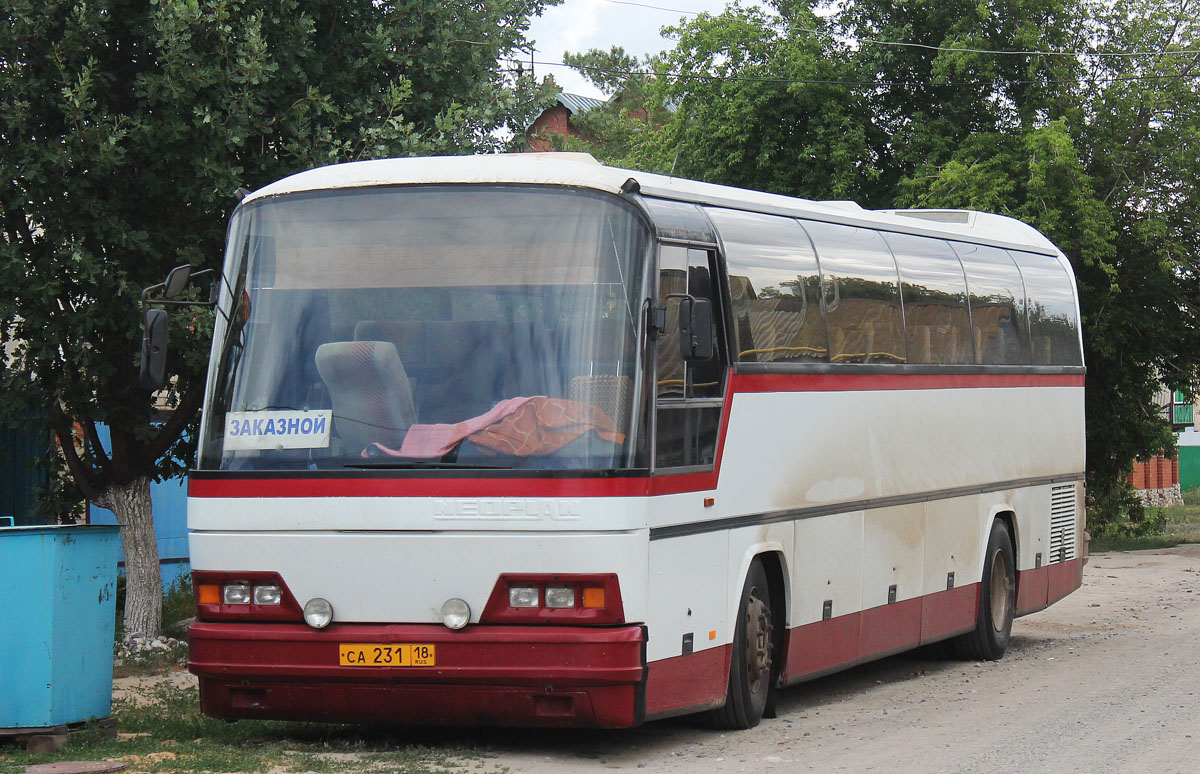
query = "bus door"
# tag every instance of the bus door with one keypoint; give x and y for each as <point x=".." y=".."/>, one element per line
<point x="689" y="394"/>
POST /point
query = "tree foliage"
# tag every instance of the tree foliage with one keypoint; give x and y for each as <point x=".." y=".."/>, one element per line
<point x="126" y="128"/>
<point x="629" y="115"/>
<point x="1098" y="152"/>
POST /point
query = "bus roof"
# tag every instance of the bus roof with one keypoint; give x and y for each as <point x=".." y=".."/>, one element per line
<point x="583" y="171"/>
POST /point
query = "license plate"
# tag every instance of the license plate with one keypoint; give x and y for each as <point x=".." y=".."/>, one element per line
<point x="374" y="655"/>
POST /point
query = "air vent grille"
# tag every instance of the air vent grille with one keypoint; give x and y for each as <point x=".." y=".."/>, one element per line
<point x="1062" y="523"/>
<point x="938" y="216"/>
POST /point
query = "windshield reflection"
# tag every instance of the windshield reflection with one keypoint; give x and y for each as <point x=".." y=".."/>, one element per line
<point x="430" y="326"/>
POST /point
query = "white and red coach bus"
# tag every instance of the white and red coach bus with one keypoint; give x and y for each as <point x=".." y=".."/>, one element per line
<point x="529" y="440"/>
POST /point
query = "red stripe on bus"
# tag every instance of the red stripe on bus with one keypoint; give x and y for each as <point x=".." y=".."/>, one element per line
<point x="643" y="486"/>
<point x="269" y="486"/>
<point x="699" y="680"/>
<point x="695" y="681"/>
<point x="842" y="382"/>
<point x="826" y="646"/>
<point x="1039" y="588"/>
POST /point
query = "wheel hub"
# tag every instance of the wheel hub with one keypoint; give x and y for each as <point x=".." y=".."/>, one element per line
<point x="1001" y="590"/>
<point x="758" y="640"/>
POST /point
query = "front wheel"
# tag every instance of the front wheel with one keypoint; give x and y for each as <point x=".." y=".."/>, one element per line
<point x="750" y="667"/>
<point x="997" y="601"/>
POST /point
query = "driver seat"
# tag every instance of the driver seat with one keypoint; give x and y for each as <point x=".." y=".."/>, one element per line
<point x="370" y="391"/>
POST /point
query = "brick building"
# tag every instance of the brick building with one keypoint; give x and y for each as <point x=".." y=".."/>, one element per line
<point x="1157" y="480"/>
<point x="556" y="119"/>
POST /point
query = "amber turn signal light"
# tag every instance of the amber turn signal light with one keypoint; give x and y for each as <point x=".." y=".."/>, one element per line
<point x="593" y="596"/>
<point x="208" y="594"/>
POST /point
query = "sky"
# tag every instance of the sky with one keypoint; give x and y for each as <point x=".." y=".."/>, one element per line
<point x="579" y="25"/>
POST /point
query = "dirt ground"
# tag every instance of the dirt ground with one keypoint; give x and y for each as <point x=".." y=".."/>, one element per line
<point x="1105" y="680"/>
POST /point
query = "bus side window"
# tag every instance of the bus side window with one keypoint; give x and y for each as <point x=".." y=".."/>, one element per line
<point x="934" y="290"/>
<point x="774" y="288"/>
<point x="672" y="279"/>
<point x="997" y="305"/>
<point x="689" y="393"/>
<point x="1053" y="326"/>
<point x="862" y="294"/>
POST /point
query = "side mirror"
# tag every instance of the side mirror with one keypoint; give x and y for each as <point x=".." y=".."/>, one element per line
<point x="177" y="280"/>
<point x="695" y="328"/>
<point x="153" y="372"/>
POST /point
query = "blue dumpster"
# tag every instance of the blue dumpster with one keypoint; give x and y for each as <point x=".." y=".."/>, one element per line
<point x="56" y="624"/>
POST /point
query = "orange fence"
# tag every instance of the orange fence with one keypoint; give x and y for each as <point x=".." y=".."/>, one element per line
<point x="1155" y="473"/>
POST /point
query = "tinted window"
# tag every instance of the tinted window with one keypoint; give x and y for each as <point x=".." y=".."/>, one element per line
<point x="685" y="270"/>
<point x="1053" y="325"/>
<point x="679" y="220"/>
<point x="687" y="436"/>
<point x="775" y="288"/>
<point x="688" y="422"/>
<point x="862" y="297"/>
<point x="997" y="305"/>
<point x="935" y="300"/>
<point x="362" y="314"/>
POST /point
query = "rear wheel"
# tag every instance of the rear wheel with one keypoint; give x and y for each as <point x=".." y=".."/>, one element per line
<point x="750" y="667"/>
<point x="997" y="601"/>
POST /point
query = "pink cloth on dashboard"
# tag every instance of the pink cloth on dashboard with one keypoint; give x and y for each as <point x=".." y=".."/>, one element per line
<point x="522" y="427"/>
<point x="426" y="441"/>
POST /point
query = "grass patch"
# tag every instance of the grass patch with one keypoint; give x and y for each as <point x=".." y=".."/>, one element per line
<point x="1179" y="524"/>
<point x="151" y="662"/>
<point x="162" y="730"/>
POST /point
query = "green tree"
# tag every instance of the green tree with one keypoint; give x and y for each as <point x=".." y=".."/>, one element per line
<point x="125" y="129"/>
<point x="746" y="98"/>
<point x="938" y="81"/>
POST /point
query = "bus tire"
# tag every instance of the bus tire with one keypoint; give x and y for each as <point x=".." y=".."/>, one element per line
<point x="750" y="666"/>
<point x="997" y="601"/>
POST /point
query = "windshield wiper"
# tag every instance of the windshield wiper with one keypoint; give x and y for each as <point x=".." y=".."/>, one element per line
<point x="414" y="464"/>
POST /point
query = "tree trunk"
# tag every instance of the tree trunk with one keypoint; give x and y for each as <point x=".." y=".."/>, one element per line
<point x="143" y="580"/>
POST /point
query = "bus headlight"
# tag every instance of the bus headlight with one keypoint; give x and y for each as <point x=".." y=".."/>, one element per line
<point x="523" y="596"/>
<point x="560" y="596"/>
<point x="318" y="613"/>
<point x="268" y="595"/>
<point x="455" y="613"/>
<point x="236" y="594"/>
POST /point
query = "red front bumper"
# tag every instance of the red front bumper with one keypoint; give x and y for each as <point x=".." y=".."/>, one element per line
<point x="484" y="675"/>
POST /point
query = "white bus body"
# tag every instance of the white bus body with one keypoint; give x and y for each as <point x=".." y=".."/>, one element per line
<point x="885" y="449"/>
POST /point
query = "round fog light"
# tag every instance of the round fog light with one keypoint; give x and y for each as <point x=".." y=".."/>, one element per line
<point x="318" y="613"/>
<point x="456" y="613"/>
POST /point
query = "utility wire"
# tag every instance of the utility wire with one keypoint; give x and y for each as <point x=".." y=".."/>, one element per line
<point x="950" y="49"/>
<point x="817" y="81"/>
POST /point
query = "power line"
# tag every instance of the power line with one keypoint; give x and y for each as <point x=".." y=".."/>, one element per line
<point x="652" y="7"/>
<point x="823" y="82"/>
<point x="1031" y="52"/>
<point x="949" y="49"/>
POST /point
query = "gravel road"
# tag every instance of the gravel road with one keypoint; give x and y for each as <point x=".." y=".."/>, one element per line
<point x="1104" y="681"/>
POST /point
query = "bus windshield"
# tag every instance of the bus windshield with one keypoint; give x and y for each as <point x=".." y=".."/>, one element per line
<point x="429" y="326"/>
